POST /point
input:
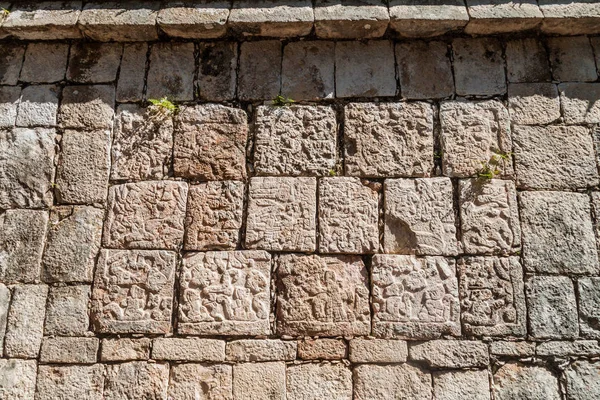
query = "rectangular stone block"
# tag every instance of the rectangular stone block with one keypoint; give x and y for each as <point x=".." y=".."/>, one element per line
<point x="322" y="349"/>
<point x="151" y="381"/>
<point x="308" y="70"/>
<point x="217" y="73"/>
<point x="397" y="140"/>
<point x="188" y="349"/>
<point x="580" y="102"/>
<point x="586" y="348"/>
<point x="391" y="382"/>
<point x="451" y="353"/>
<point x="330" y="381"/>
<point x="490" y="17"/>
<point x="426" y="18"/>
<point x="44" y="20"/>
<point x="351" y="19"/>
<point x="87" y="107"/>
<point x="67" y="311"/>
<point x="271" y="18"/>
<point x="69" y="350"/>
<point x="419" y="217"/>
<point x="256" y="381"/>
<point x="4" y="306"/>
<point x="94" y="62"/>
<point x="581" y="378"/>
<point x="589" y="307"/>
<point x="194" y="20"/>
<point x="533" y="103"/>
<point x="225" y="293"/>
<point x="12" y="61"/>
<point x="378" y="351"/>
<point x="38" y="106"/>
<point x="25" y="325"/>
<point x="133" y="291"/>
<point x="9" y="102"/>
<point x="566" y="17"/>
<point x="512" y="349"/>
<point x="478" y="67"/>
<point x="125" y="349"/>
<point x="130" y="85"/>
<point x="66" y="382"/>
<point x="572" y="59"/>
<point x="448" y="385"/>
<point x="261" y="350"/>
<point x="18" y="378"/>
<point x="322" y="296"/>
<point x="45" y="62"/>
<point x="171" y="72"/>
<point x="527" y="61"/>
<point x="192" y="381"/>
<point x="119" y="21"/>
<point x="259" y="72"/>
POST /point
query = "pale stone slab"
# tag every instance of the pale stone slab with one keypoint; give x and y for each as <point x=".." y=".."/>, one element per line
<point x="70" y="382"/>
<point x="414" y="298"/>
<point x="322" y="349"/>
<point x="194" y="19"/>
<point x="94" y="62"/>
<point x="4" y="306"/>
<point x="582" y="380"/>
<point x="567" y="17"/>
<point x="388" y="139"/>
<point x="572" y="59"/>
<point x="259" y="72"/>
<point x="589" y="307"/>
<point x="133" y="222"/>
<point x="119" y="21"/>
<point x="217" y="73"/>
<point x="378" y="351"/>
<point x="241" y="278"/>
<point x="38" y="106"/>
<point x="451" y="353"/>
<point x="322" y="296"/>
<point x="580" y="102"/>
<point x="261" y="350"/>
<point x="425" y="18"/>
<point x="527" y="61"/>
<point x="194" y="381"/>
<point x="25" y="325"/>
<point x="11" y="55"/>
<point x="44" y="20"/>
<point x="171" y="72"/>
<point x="271" y="18"/>
<point x="517" y="381"/>
<point x="18" y="379"/>
<point x="319" y="381"/>
<point x="419" y="217"/>
<point x="130" y="86"/>
<point x="69" y="350"/>
<point x="188" y="349"/>
<point x="453" y="385"/>
<point x="74" y="235"/>
<point x="45" y="62"/>
<point x="9" y="102"/>
<point x="512" y="349"/>
<point x="210" y="143"/>
<point x="22" y="234"/>
<point x="87" y="107"/>
<point x="391" y="382"/>
<point x="533" y="103"/>
<point x="125" y="349"/>
<point x="257" y="381"/>
<point x="479" y="67"/>
<point x="351" y="19"/>
<point x="308" y="70"/>
<point x="133" y="291"/>
<point x="67" y="311"/>
<point x="151" y="381"/>
<point x="552" y="308"/>
<point x="490" y="17"/>
<point x="567" y="348"/>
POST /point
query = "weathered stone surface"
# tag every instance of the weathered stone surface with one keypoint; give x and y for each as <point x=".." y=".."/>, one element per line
<point x="217" y="74"/>
<point x="391" y="382"/>
<point x="419" y="217"/>
<point x="214" y="215"/>
<point x="130" y="86"/>
<point x="69" y="350"/>
<point x="348" y="216"/>
<point x="378" y="351"/>
<point x="261" y="350"/>
<point x="319" y="381"/>
<point x="322" y="296"/>
<point x="424" y="70"/>
<point x="451" y="353"/>
<point x="171" y="72"/>
<point x="225" y="293"/>
<point x="125" y="349"/>
<point x="351" y="19"/>
<point x="568" y="348"/>
<point x="527" y="61"/>
<point x="74" y="235"/>
<point x="193" y="381"/>
<point x="582" y="380"/>
<point x="87" y="107"/>
<point x="533" y="103"/>
<point x="414" y="298"/>
<point x="194" y="20"/>
<point x="281" y="214"/>
<point x="120" y="21"/>
<point x="272" y="18"/>
<point x="492" y="299"/>
<point x="572" y="59"/>
<point x="388" y="139"/>
<point x="67" y="311"/>
<point x="151" y="381"/>
<point x="566" y="17"/>
<point x="188" y="349"/>
<point x="45" y="62"/>
<point x="9" y="102"/>
<point x="133" y="291"/>
<point x="517" y="381"/>
<point x="488" y="17"/>
<point x="308" y="70"/>
<point x="12" y="61"/>
<point x="580" y="102"/>
<point x="142" y="145"/>
<point x="452" y="385"/>
<point x="596" y="46"/>
<point x="554" y="157"/>
<point x="27" y="167"/>
<point x="424" y="18"/>
<point x="558" y="236"/>
<point x="322" y="349"/>
<point x="25" y="325"/>
<point x="94" y="62"/>
<point x="135" y="221"/>
<point x="365" y="69"/>
<point x="512" y="349"/>
<point x="589" y="307"/>
<point x="475" y="133"/>
<point x="479" y="67"/>
<point x="17" y="380"/>
<point x="22" y="234"/>
<point x="70" y="382"/>
<point x="38" y="106"/>
<point x="44" y="20"/>
<point x="257" y="381"/>
<point x="4" y="306"/>
<point x="259" y="75"/>
<point x="552" y="308"/>
<point x="210" y="143"/>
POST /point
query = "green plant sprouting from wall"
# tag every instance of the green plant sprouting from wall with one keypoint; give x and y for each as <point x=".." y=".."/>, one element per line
<point x="164" y="106"/>
<point x="493" y="167"/>
<point x="282" y="101"/>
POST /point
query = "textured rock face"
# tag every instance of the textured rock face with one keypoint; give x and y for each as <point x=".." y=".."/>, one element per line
<point x="461" y="385"/>
<point x="582" y="380"/>
<point x="314" y="381"/>
<point x="25" y="324"/>
<point x="87" y="107"/>
<point x="516" y="381"/>
<point x="261" y="350"/>
<point x="257" y="381"/>
<point x="188" y="381"/>
<point x="390" y="382"/>
<point x="18" y="378"/>
<point x="67" y="311"/>
<point x="151" y="381"/>
<point x="450" y="353"/>
<point x="552" y="307"/>
<point x="589" y="307"/>
<point x="189" y="349"/>
<point x="55" y="382"/>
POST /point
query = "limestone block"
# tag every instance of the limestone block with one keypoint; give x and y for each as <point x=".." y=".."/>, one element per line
<point x="572" y="59"/>
<point x="119" y="21"/>
<point x="272" y="18"/>
<point x="512" y="349"/>
<point x="295" y="140"/>
<point x="18" y="379"/>
<point x="70" y="382"/>
<point x="322" y="349"/>
<point x="552" y="308"/>
<point x="67" y="311"/>
<point x="452" y="385"/>
<point x="133" y="291"/>
<point x="257" y="381"/>
<point x="568" y="348"/>
<point x="589" y="307"/>
<point x="489" y="216"/>
<point x="22" y="234"/>
<point x="533" y="103"/>
<point x="319" y="381"/>
<point x="69" y="350"/>
<point x="492" y="299"/>
<point x="582" y="380"/>
<point x="188" y="349"/>
<point x="596" y="46"/>
<point x="142" y="145"/>
<point x="391" y="382"/>
<point x="527" y="61"/>
<point x="25" y="325"/>
<point x="451" y="353"/>
<point x="194" y="20"/>
<point x="479" y="67"/>
<point x="133" y="222"/>
<point x="351" y="19"/>
<point x="4" y="305"/>
<point x="130" y="86"/>
<point x="424" y="70"/>
<point x="259" y="75"/>
<point x="94" y="62"/>
<point x="151" y="381"/>
<point x="567" y="17"/>
<point x="489" y="17"/>
<point x="517" y="381"/>
<point x="217" y="75"/>
<point x="580" y="102"/>
<point x="9" y="102"/>
<point x="27" y="163"/>
<point x="38" y="106"/>
<point x="210" y="143"/>
<point x="193" y="381"/>
<point x="171" y="72"/>
<point x="87" y="107"/>
<point x="11" y="55"/>
<point x="322" y="296"/>
<point x="473" y="133"/>
<point x="261" y="350"/>
<point x="281" y="214"/>
<point x="243" y="308"/>
<point x="388" y="139"/>
<point x="74" y="235"/>
<point x="83" y="167"/>
<point x="425" y="18"/>
<point x="365" y="69"/>
<point x="125" y="349"/>
<point x="45" y="62"/>
<point x="44" y="20"/>
<point x="378" y="351"/>
<point x="558" y="236"/>
<point x="419" y="217"/>
<point x="308" y="70"/>
<point x="414" y="298"/>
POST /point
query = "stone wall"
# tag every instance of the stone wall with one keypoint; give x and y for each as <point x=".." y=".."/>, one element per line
<point x="420" y="223"/>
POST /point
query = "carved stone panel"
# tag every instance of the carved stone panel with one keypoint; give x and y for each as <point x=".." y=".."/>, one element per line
<point x="146" y="215"/>
<point x="322" y="296"/>
<point x="414" y="298"/>
<point x="133" y="291"/>
<point x="492" y="299"/>
<point x="225" y="293"/>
